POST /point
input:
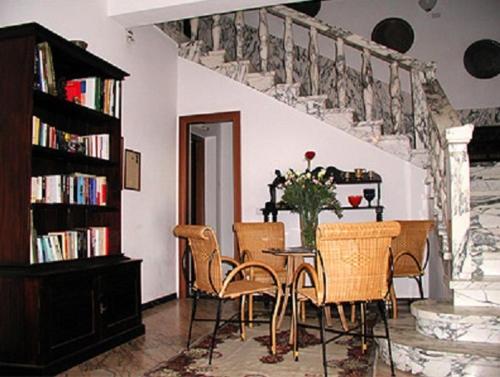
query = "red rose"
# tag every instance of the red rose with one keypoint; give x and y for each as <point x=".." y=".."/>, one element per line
<point x="310" y="155"/>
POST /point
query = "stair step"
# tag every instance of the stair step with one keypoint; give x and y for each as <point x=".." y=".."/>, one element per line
<point x="214" y="59"/>
<point x="484" y="291"/>
<point x="236" y="70"/>
<point x="191" y="50"/>
<point x="340" y="118"/>
<point x="398" y="145"/>
<point x="426" y="356"/>
<point x="261" y="81"/>
<point x="287" y="93"/>
<point x="313" y="105"/>
<point x="368" y="131"/>
<point x="491" y="263"/>
<point x="442" y="320"/>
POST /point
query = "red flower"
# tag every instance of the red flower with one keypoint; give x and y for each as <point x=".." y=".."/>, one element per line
<point x="310" y="155"/>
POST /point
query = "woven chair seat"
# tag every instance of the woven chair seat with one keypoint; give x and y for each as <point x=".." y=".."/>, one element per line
<point x="244" y="287"/>
<point x="261" y="275"/>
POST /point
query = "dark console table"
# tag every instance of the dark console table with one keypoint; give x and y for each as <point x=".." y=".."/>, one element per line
<point x="367" y="179"/>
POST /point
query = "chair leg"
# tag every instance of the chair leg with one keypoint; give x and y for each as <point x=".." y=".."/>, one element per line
<point x="242" y="317"/>
<point x="193" y="314"/>
<point x="321" y="315"/>
<point x="250" y="311"/>
<point x="418" y="279"/>
<point x="294" y="328"/>
<point x="381" y="308"/>
<point x="343" y="321"/>
<point x="394" y="303"/>
<point x="274" y="319"/>
<point x="353" y="312"/>
<point x="217" y="320"/>
<point x="364" y="347"/>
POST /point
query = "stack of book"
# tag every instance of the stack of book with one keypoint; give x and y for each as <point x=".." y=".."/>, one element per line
<point x="95" y="93"/>
<point x="71" y="244"/>
<point x="48" y="136"/>
<point x="45" y="78"/>
<point x="76" y="188"/>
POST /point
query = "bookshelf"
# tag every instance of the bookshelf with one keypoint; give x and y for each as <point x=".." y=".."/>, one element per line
<point x="65" y="301"/>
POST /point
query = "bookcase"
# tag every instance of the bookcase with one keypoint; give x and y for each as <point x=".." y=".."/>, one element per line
<point x="58" y="309"/>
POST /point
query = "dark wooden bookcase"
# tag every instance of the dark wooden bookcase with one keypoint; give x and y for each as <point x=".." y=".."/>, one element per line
<point x="56" y="314"/>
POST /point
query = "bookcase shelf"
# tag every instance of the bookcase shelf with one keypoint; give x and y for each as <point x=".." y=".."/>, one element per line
<point x="96" y="296"/>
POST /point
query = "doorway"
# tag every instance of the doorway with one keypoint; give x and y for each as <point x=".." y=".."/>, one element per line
<point x="209" y="174"/>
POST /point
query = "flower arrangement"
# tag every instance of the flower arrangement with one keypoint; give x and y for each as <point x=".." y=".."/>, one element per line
<point x="308" y="193"/>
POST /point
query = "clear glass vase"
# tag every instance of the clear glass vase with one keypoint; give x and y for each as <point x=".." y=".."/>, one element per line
<point x="308" y="225"/>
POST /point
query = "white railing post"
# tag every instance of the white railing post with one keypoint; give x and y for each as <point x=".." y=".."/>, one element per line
<point x="457" y="139"/>
<point x="313" y="61"/>
<point x="340" y="69"/>
<point x="194" y="23"/>
<point x="367" y="83"/>
<point x="216" y="32"/>
<point x="420" y="111"/>
<point x="239" y="23"/>
<point x="264" y="39"/>
<point x="396" y="103"/>
<point x="288" y="45"/>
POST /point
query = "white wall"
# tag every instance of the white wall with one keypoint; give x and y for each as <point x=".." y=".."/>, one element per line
<point x="149" y="123"/>
<point x="275" y="136"/>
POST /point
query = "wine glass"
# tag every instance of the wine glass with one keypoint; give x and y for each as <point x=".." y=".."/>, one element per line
<point x="369" y="195"/>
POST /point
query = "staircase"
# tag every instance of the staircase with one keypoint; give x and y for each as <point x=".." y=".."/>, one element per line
<point x="459" y="337"/>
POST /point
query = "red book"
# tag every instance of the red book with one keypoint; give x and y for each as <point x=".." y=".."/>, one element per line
<point x="73" y="91"/>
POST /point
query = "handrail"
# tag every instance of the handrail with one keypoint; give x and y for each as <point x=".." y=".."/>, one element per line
<point x="351" y="39"/>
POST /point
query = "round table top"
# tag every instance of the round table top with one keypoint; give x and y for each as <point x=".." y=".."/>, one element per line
<point x="297" y="251"/>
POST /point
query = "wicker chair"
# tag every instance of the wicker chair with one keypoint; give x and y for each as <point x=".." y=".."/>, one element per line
<point x="352" y="265"/>
<point x="209" y="280"/>
<point x="410" y="258"/>
<point x="252" y="239"/>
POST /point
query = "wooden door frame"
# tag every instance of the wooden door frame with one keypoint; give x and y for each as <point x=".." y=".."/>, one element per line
<point x="184" y="122"/>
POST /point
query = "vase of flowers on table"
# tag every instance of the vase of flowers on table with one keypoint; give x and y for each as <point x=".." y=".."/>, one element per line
<point x="308" y="193"/>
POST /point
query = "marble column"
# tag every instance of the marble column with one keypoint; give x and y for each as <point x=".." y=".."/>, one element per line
<point x="396" y="102"/>
<point x="239" y="23"/>
<point x="367" y="82"/>
<point x="313" y="61"/>
<point x="216" y="32"/>
<point x="341" y="75"/>
<point x="420" y="110"/>
<point x="288" y="45"/>
<point x="263" y="39"/>
<point x="457" y="139"/>
<point x="194" y="23"/>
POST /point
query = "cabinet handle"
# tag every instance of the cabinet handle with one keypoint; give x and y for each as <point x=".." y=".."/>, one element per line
<point x="102" y="308"/>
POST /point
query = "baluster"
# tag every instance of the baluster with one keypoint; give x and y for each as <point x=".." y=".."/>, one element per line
<point x="340" y="69"/>
<point x="313" y="61"/>
<point x="367" y="82"/>
<point x="216" y="32"/>
<point x="239" y="23"/>
<point x="288" y="44"/>
<point x="396" y="104"/>
<point x="194" y="23"/>
<point x="420" y="112"/>
<point x="264" y="39"/>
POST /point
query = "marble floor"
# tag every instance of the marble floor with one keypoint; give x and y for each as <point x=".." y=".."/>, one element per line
<point x="166" y="335"/>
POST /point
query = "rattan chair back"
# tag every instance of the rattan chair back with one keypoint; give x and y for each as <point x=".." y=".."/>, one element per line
<point x="255" y="237"/>
<point x="408" y="247"/>
<point x="353" y="260"/>
<point x="206" y="256"/>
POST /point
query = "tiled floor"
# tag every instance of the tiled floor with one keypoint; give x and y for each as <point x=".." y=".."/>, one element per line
<point x="166" y="335"/>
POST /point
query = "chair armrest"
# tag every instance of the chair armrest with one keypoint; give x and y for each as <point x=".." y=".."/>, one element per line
<point x="313" y="275"/>
<point x="247" y="265"/>
<point x="230" y="261"/>
<point x="245" y="256"/>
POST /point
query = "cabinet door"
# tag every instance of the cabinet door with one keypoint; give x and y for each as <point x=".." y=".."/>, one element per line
<point x="120" y="299"/>
<point x="69" y="314"/>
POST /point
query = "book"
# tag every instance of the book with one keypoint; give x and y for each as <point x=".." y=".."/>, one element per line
<point x="47" y="65"/>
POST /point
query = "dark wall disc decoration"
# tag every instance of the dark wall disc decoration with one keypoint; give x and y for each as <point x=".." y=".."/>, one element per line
<point x="394" y="33"/>
<point x="482" y="59"/>
<point x="311" y="8"/>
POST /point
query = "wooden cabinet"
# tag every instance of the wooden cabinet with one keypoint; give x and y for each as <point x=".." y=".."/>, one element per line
<point x="59" y="306"/>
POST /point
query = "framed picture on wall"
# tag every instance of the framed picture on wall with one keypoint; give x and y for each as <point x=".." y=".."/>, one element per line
<point x="132" y="176"/>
